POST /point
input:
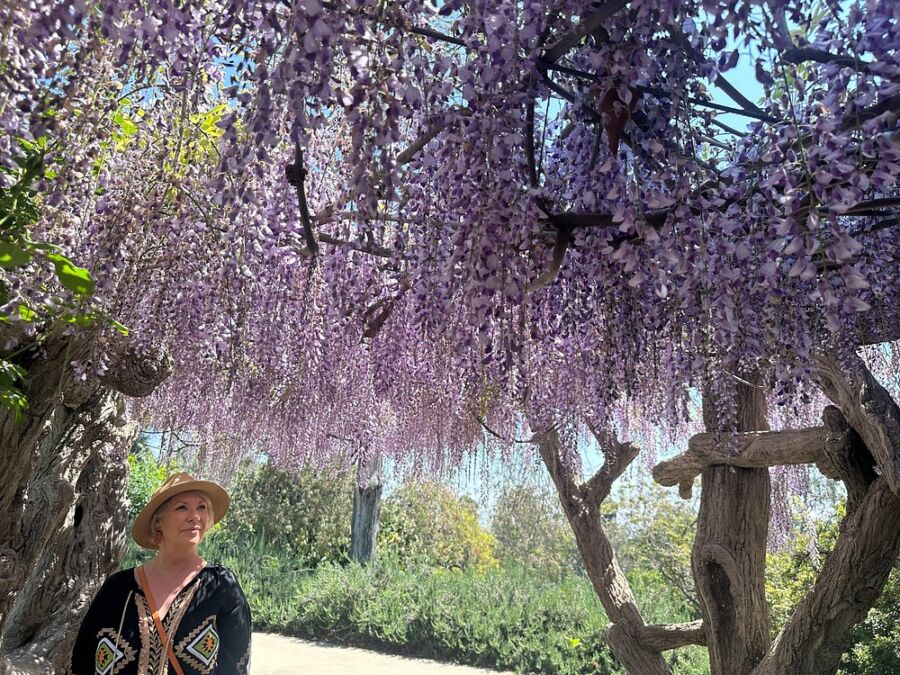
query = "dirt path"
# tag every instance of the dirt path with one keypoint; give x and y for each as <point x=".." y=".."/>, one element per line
<point x="279" y="655"/>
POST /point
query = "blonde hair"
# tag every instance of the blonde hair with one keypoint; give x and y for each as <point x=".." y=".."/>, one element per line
<point x="154" y="521"/>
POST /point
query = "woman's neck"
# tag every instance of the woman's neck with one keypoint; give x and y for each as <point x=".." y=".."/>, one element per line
<point x="184" y="561"/>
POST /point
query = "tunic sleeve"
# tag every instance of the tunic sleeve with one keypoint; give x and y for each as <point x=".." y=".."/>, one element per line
<point x="235" y="627"/>
<point x="86" y="643"/>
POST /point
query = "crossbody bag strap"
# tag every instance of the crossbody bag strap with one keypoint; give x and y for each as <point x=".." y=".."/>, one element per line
<point x="142" y="577"/>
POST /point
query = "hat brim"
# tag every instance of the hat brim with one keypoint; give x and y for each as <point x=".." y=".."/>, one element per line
<point x="142" y="531"/>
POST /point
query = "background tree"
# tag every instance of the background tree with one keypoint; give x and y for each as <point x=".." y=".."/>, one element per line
<point x="530" y="530"/>
<point x="652" y="533"/>
<point x="305" y="512"/>
<point x="366" y="519"/>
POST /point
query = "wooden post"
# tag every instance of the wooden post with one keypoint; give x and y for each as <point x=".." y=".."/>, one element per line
<point x="366" y="509"/>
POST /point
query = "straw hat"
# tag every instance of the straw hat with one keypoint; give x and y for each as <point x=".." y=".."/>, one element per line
<point x="176" y="484"/>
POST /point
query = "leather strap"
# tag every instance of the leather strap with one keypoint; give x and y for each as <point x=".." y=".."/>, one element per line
<point x="142" y="577"/>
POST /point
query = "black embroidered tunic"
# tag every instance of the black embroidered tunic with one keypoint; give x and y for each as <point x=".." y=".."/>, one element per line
<point x="208" y="625"/>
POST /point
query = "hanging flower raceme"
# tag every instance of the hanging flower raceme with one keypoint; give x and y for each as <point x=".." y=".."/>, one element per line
<point x="395" y="225"/>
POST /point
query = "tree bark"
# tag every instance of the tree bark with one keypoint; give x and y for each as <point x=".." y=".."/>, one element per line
<point x="366" y="510"/>
<point x="43" y="423"/>
<point x="820" y="629"/>
<point x="850" y="457"/>
<point x="30" y="511"/>
<point x="607" y="578"/>
<point x="68" y="422"/>
<point x="664" y="636"/>
<point x="729" y="552"/>
<point x="749" y="450"/>
<point x="86" y="548"/>
<point x="868" y="408"/>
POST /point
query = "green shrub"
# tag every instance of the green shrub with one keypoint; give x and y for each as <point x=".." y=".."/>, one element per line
<point x="876" y="640"/>
<point x="426" y="523"/>
<point x="307" y="515"/>
<point x="516" y="620"/>
<point x="509" y="618"/>
<point x="531" y="531"/>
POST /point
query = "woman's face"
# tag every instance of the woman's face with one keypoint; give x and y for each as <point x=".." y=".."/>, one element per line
<point x="182" y="520"/>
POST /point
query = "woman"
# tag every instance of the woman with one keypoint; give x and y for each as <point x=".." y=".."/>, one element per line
<point x="175" y="615"/>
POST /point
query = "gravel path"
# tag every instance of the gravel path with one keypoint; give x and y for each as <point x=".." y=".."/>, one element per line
<point x="280" y="655"/>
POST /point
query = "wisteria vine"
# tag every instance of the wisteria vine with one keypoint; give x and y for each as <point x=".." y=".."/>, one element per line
<point x="516" y="206"/>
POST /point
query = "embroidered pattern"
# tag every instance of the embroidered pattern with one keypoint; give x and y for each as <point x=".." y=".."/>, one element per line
<point x="106" y="656"/>
<point x="243" y="665"/>
<point x="205" y="646"/>
<point x="112" y="653"/>
<point x="147" y="631"/>
<point x="200" y="647"/>
<point x="153" y="660"/>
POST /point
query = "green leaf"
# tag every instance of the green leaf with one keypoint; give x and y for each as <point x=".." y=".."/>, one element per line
<point x="122" y="328"/>
<point x="27" y="313"/>
<point x="13" y="399"/>
<point x="10" y="373"/>
<point x="81" y="320"/>
<point x="12" y="254"/>
<point x="34" y="167"/>
<point x="76" y="279"/>
<point x="26" y="145"/>
<point x="128" y="127"/>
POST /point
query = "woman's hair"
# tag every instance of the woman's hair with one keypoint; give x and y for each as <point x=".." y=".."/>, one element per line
<point x="154" y="521"/>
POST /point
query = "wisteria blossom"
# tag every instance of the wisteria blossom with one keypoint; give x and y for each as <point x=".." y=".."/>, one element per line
<point x="501" y="217"/>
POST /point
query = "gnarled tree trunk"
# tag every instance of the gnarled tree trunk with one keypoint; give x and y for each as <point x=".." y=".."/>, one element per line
<point x="62" y="516"/>
<point x="88" y="545"/>
<point x="636" y="645"/>
<point x="729" y="553"/>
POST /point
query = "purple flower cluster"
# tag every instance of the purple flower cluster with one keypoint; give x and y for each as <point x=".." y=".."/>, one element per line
<point x="518" y="208"/>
